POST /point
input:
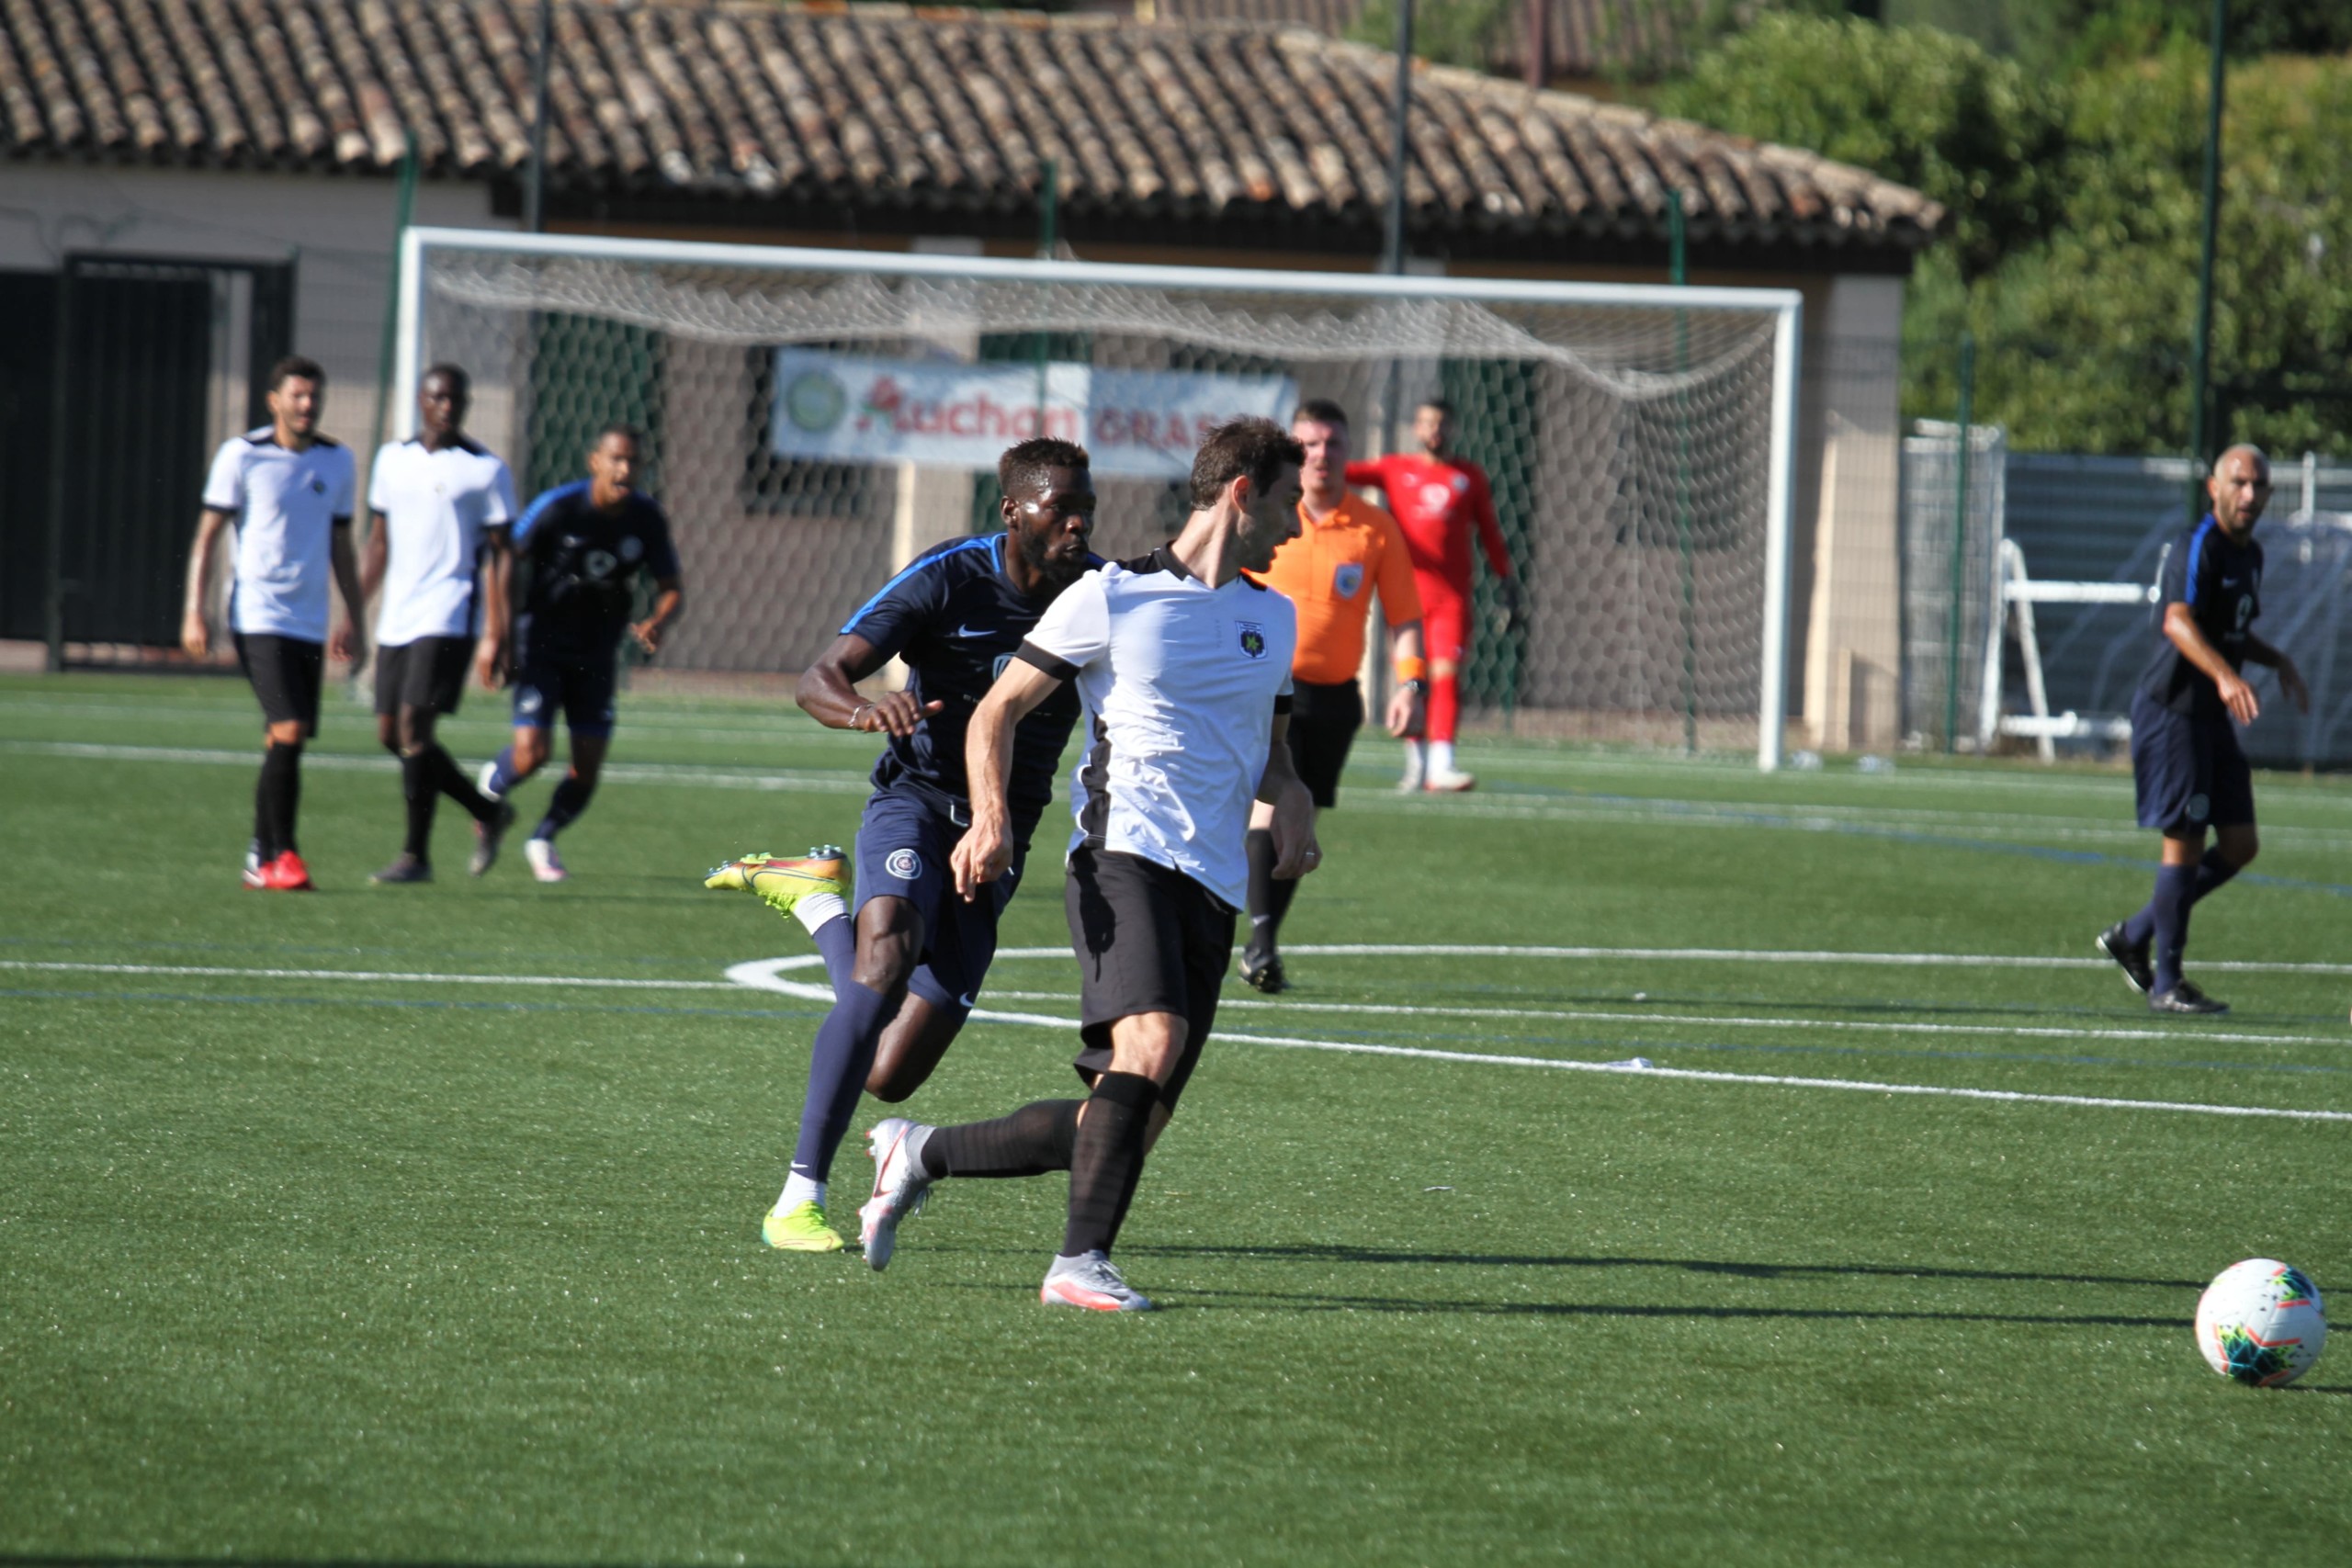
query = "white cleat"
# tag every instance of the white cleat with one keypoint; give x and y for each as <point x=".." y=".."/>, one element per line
<point x="1092" y="1282"/>
<point x="1449" y="781"/>
<point x="899" y="1187"/>
<point x="1409" y="781"/>
<point x="482" y="779"/>
<point x="546" y="864"/>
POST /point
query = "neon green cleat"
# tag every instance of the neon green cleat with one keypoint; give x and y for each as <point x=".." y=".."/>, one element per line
<point x="801" y="1228"/>
<point x="781" y="884"/>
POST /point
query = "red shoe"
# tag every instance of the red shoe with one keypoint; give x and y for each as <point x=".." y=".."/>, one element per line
<point x="287" y="873"/>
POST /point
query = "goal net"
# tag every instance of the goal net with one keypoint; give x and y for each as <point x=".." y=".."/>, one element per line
<point x="815" y="419"/>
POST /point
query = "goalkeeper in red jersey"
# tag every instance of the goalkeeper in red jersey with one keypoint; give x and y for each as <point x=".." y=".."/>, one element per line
<point x="1436" y="497"/>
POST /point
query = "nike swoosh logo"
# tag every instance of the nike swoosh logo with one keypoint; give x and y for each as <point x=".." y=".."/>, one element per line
<point x="971" y="631"/>
<point x="966" y="1002"/>
<point x="2229" y="583"/>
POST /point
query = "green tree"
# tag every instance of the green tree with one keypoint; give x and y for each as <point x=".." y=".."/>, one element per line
<point x="1447" y="32"/>
<point x="1930" y="109"/>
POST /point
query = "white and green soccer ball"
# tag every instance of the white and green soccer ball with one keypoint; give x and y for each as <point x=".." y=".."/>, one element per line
<point x="2260" y="1323"/>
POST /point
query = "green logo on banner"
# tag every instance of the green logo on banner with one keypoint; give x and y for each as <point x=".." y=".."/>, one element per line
<point x="815" y="401"/>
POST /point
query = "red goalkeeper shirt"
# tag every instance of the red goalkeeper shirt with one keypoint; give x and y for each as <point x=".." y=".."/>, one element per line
<point x="1435" y="500"/>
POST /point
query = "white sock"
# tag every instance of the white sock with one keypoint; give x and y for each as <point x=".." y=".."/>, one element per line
<point x="818" y="908"/>
<point x="1412" y="756"/>
<point x="1441" y="756"/>
<point x="799" y="1189"/>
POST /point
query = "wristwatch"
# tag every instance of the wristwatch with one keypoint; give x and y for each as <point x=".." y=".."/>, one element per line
<point x="1417" y="686"/>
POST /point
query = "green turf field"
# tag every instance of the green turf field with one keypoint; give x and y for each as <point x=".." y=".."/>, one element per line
<point x="406" y="1225"/>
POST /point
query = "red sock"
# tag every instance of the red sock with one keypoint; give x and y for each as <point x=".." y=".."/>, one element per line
<point x="1445" y="704"/>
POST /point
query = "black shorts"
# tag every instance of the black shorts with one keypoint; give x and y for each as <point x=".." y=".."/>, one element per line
<point x="582" y="692"/>
<point x="1323" y="725"/>
<point x="429" y="674"/>
<point x="2188" y="773"/>
<point x="286" y="672"/>
<point x="1149" y="938"/>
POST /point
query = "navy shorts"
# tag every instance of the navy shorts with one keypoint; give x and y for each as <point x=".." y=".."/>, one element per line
<point x="582" y="692"/>
<point x="2190" y="773"/>
<point x="903" y="842"/>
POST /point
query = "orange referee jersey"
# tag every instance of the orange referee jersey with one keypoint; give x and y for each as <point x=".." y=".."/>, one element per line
<point x="1329" y="573"/>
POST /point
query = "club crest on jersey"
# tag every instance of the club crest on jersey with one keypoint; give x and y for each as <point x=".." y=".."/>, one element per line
<point x="632" y="548"/>
<point x="1253" y="639"/>
<point x="1346" y="580"/>
<point x="600" y="564"/>
<point x="2198" y="808"/>
<point x="904" y="864"/>
<point x="1437" y="497"/>
<point x="996" y="672"/>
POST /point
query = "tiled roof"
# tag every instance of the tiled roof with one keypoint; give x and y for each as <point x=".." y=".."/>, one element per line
<point x="881" y="105"/>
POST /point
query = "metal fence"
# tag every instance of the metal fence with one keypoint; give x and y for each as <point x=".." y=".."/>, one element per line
<point x="2109" y="520"/>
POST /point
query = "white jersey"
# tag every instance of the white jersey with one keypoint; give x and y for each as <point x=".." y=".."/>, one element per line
<point x="436" y="505"/>
<point x="285" y="505"/>
<point x="1179" y="682"/>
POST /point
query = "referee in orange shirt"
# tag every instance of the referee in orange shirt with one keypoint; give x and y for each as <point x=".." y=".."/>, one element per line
<point x="1346" y="547"/>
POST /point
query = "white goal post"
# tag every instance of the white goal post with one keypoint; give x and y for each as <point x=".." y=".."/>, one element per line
<point x="816" y="416"/>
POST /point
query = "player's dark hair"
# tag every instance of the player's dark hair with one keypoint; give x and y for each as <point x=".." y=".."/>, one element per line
<point x="1023" y="468"/>
<point x="457" y="373"/>
<point x="1252" y="445"/>
<point x="1322" y="410"/>
<point x="295" y="365"/>
<point x="1440" y="404"/>
<point x="618" y="427"/>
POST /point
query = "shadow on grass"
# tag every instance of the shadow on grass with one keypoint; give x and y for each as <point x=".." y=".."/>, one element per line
<point x="1319" y="1254"/>
<point x="1300" y="1302"/>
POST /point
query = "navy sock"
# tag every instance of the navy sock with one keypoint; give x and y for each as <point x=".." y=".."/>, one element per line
<point x="2211" y="872"/>
<point x="1031" y="1140"/>
<point x="2168" y="918"/>
<point x="1106" y="1159"/>
<point x="570" y="798"/>
<point x="838" y="1063"/>
<point x="836" y="941"/>
<point x="502" y="773"/>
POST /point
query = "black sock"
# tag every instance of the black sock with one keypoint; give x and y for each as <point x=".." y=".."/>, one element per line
<point x="1031" y="1140"/>
<point x="451" y="780"/>
<point x="1106" y="1159"/>
<point x="276" y="797"/>
<point x="570" y="798"/>
<point x="2169" y="915"/>
<point x="2211" y="872"/>
<point x="1269" y="898"/>
<point x="416" y="786"/>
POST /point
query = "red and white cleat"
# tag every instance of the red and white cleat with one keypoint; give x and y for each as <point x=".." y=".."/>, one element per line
<point x="1092" y="1281"/>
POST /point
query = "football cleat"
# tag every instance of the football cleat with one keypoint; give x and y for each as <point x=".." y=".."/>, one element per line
<point x="801" y="1228"/>
<point x="406" y="867"/>
<point x="488" y="835"/>
<point x="2132" y="960"/>
<point x="287" y="873"/>
<point x="546" y="864"/>
<point x="1265" y="977"/>
<point x="899" y="1187"/>
<point x="2187" y="999"/>
<point x="782" y="884"/>
<point x="1449" y="781"/>
<point x="253" y="865"/>
<point x="1410" y="780"/>
<point x="487" y="777"/>
<point x="1092" y="1281"/>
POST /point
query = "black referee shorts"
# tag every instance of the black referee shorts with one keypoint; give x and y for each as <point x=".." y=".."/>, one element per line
<point x="1149" y="938"/>
<point x="285" y="674"/>
<point x="1323" y="725"/>
<point x="429" y="674"/>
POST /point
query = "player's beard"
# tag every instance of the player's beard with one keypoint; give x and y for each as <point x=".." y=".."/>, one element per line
<point x="1056" y="571"/>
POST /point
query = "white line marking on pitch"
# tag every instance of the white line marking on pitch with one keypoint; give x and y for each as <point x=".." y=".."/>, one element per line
<point x="1770" y="955"/>
<point x="820" y="780"/>
<point x="373" y="975"/>
<point x="768" y="975"/>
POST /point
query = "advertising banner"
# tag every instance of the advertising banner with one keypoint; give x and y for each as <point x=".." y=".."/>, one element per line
<point x="1139" y="423"/>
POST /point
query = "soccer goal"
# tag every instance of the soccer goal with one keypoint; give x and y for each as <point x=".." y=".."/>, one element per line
<point x="816" y="418"/>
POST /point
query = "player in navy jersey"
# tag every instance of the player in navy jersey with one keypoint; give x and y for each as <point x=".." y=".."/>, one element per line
<point x="2186" y="767"/>
<point x="906" y="978"/>
<point x="582" y="548"/>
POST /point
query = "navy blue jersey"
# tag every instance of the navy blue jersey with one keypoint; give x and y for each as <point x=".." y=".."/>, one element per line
<point x="2221" y="584"/>
<point x="957" y="618"/>
<point x="580" y="563"/>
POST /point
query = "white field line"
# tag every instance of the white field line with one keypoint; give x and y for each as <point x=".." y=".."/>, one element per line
<point x="1758" y="956"/>
<point x="372" y="977"/>
<point x="824" y="781"/>
<point x="768" y="975"/>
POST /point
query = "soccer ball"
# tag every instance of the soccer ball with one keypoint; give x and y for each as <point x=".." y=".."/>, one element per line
<point x="2260" y="1323"/>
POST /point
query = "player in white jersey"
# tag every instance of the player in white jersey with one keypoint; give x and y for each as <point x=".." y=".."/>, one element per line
<point x="287" y="490"/>
<point x="1183" y="666"/>
<point x="441" y="503"/>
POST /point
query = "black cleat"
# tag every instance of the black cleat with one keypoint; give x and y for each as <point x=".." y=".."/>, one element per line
<point x="2187" y="1000"/>
<point x="2133" y="961"/>
<point x="1266" y="977"/>
<point x="488" y="835"/>
<point x="406" y="867"/>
